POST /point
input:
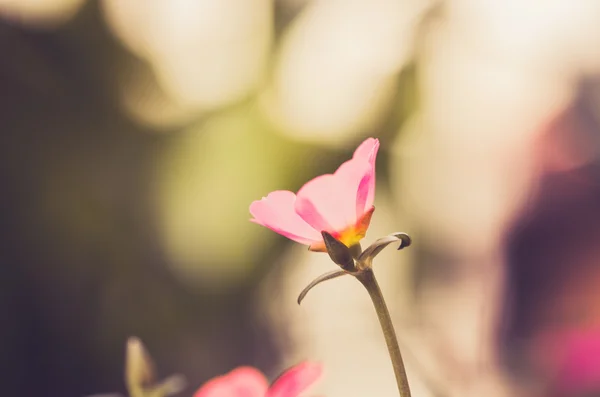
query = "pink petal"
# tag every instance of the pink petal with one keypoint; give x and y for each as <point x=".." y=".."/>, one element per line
<point x="321" y="192"/>
<point x="367" y="151"/>
<point x="241" y="382"/>
<point x="334" y="202"/>
<point x="295" y="380"/>
<point x="276" y="211"/>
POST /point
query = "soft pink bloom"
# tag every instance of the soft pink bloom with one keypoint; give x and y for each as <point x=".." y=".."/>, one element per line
<point x="340" y="203"/>
<point x="574" y="356"/>
<point x="249" y="382"/>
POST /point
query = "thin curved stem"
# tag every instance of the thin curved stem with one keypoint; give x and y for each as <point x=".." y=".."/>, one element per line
<point x="319" y="280"/>
<point x="367" y="278"/>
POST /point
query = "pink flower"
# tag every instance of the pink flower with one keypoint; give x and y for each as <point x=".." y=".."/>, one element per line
<point x="249" y="382"/>
<point x="574" y="358"/>
<point x="580" y="361"/>
<point x="340" y="203"/>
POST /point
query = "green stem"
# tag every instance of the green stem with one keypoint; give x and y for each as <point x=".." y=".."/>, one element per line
<point x="367" y="278"/>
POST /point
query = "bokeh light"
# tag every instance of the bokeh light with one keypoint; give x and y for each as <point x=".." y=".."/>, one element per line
<point x="40" y="13"/>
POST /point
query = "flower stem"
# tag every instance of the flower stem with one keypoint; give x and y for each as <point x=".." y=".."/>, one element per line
<point x="367" y="278"/>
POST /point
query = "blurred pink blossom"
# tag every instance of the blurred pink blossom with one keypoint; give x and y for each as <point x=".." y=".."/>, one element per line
<point x="574" y="356"/>
<point x="580" y="359"/>
<point x="249" y="382"/>
<point x="340" y="203"/>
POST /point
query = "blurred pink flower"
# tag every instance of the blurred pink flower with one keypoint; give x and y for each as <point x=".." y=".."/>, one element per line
<point x="249" y="382"/>
<point x="340" y="203"/>
<point x="574" y="356"/>
<point x="580" y="359"/>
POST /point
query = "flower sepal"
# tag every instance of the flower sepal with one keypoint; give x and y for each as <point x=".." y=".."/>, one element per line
<point x="365" y="259"/>
<point x="339" y="253"/>
<point x="350" y="259"/>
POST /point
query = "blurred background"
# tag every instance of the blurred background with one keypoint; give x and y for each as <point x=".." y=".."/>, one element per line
<point x="135" y="134"/>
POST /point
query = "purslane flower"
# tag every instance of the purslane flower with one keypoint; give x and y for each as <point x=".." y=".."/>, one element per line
<point x="340" y="204"/>
<point x="331" y="213"/>
<point x="249" y="382"/>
